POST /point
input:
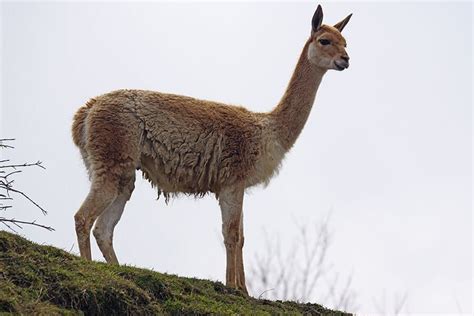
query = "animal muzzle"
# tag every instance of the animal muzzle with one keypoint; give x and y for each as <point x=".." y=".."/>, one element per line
<point x="341" y="64"/>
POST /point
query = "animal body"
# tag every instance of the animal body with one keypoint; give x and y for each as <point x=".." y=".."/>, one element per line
<point x="186" y="145"/>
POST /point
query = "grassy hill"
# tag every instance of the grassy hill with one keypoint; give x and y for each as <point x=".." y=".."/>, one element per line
<point x="45" y="280"/>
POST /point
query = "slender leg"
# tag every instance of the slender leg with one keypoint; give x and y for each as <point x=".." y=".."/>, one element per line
<point x="101" y="195"/>
<point x="240" y="259"/>
<point x="230" y="200"/>
<point x="104" y="227"/>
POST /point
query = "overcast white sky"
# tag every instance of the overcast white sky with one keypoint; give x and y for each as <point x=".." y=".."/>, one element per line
<point x="387" y="146"/>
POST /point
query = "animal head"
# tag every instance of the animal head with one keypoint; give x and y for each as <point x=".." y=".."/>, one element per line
<point x="327" y="49"/>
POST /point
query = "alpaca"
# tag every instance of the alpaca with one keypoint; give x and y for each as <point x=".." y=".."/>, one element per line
<point x="191" y="146"/>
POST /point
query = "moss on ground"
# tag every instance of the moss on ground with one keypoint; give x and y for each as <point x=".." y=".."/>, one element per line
<point x="45" y="280"/>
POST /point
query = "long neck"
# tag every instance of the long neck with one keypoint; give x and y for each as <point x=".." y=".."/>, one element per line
<point x="293" y="110"/>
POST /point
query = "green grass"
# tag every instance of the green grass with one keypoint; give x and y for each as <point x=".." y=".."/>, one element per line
<point x="45" y="280"/>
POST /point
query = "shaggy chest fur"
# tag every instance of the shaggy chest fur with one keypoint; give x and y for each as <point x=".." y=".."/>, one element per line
<point x="269" y="162"/>
<point x="193" y="146"/>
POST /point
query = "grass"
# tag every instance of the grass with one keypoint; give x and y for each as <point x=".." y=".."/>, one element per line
<point x="37" y="279"/>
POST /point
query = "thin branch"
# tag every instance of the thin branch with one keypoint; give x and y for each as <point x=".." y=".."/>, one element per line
<point x="260" y="296"/>
<point x="37" y="164"/>
<point x="29" y="199"/>
<point x="298" y="273"/>
<point x="380" y="304"/>
<point x="18" y="223"/>
<point x="8" y="226"/>
<point x="458" y="306"/>
<point x="400" y="303"/>
<point x="6" y="186"/>
<point x="2" y="145"/>
<point x="10" y="174"/>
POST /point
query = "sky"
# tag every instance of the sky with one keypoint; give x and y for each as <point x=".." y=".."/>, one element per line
<point x="387" y="149"/>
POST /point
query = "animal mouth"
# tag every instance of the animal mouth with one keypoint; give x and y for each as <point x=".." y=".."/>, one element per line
<point x="341" y="67"/>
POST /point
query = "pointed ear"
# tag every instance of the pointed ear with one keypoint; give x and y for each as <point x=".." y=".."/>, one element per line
<point x="317" y="19"/>
<point x="340" y="26"/>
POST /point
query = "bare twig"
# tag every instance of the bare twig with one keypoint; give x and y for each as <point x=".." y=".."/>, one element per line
<point x="393" y="306"/>
<point x="18" y="223"/>
<point x="399" y="303"/>
<point x="297" y="274"/>
<point x="458" y="306"/>
<point x="29" y="199"/>
<point x="2" y="145"/>
<point x="260" y="296"/>
<point x="7" y="170"/>
<point x="37" y="164"/>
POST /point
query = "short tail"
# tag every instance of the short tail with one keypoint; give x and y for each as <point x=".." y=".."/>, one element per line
<point x="79" y="123"/>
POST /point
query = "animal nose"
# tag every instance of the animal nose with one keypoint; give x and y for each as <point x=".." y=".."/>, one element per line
<point x="345" y="58"/>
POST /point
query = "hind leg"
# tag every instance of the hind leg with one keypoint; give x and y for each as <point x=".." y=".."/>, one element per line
<point x="104" y="227"/>
<point x="112" y="149"/>
<point x="102" y="193"/>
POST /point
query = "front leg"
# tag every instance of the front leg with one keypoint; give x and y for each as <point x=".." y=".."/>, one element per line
<point x="230" y="200"/>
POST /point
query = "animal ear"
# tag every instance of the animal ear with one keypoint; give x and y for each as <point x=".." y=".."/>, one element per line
<point x="317" y="19"/>
<point x="340" y="26"/>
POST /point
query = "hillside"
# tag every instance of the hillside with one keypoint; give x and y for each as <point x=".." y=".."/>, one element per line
<point x="38" y="279"/>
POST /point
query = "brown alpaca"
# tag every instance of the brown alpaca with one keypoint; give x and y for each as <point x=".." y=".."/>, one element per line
<point x="191" y="146"/>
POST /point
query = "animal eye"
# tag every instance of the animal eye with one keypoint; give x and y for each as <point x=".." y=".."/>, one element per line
<point x="324" y="41"/>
